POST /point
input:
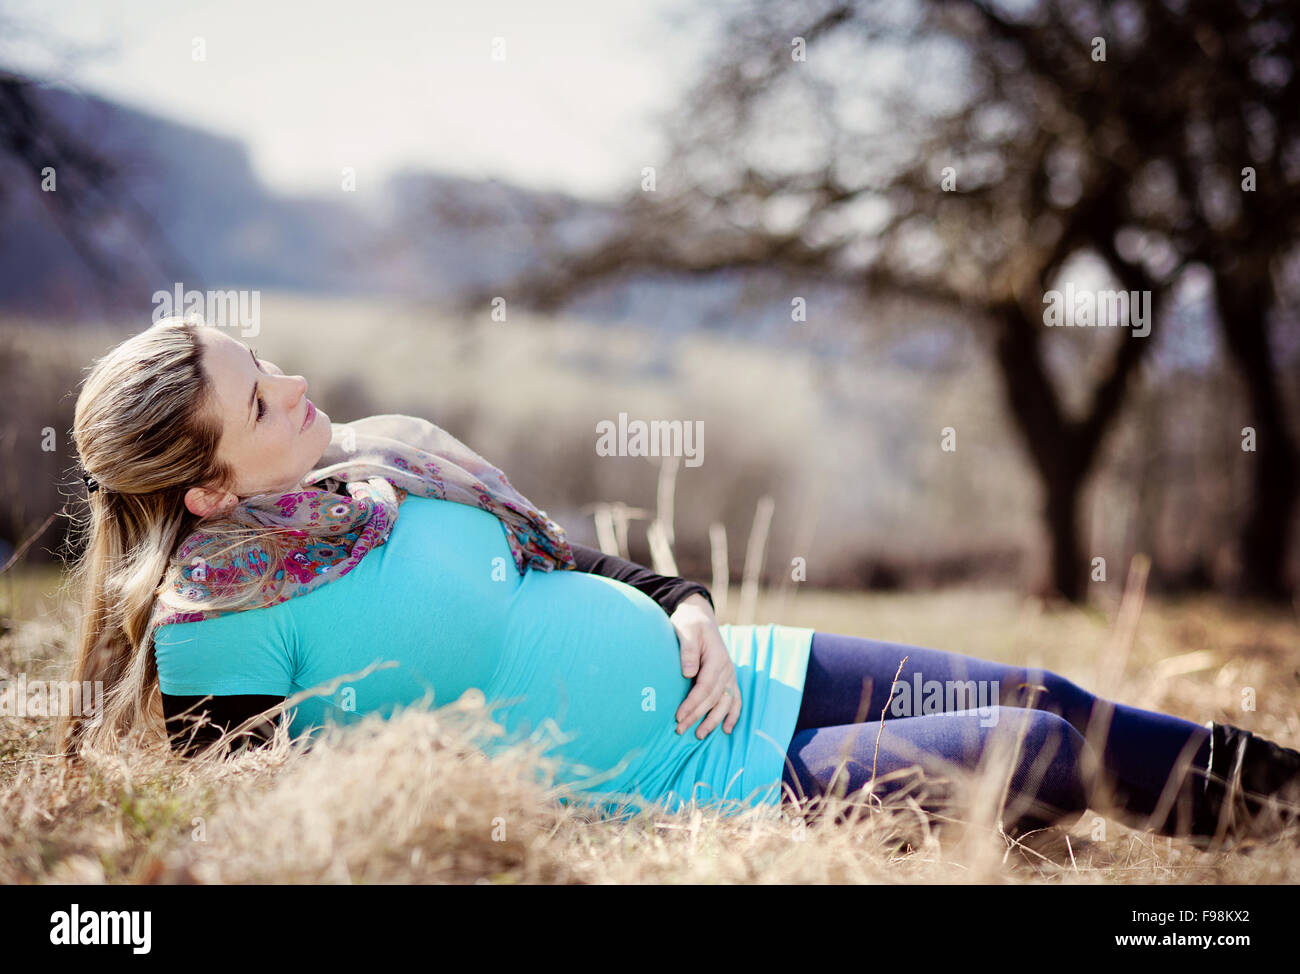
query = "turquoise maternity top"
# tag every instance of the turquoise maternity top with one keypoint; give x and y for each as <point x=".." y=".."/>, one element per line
<point x="587" y="661"/>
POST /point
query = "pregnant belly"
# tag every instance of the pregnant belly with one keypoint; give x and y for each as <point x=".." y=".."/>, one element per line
<point x="593" y="666"/>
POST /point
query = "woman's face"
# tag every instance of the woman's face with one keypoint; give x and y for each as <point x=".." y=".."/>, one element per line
<point x="270" y="434"/>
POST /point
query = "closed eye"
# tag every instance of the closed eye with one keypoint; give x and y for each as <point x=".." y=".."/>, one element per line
<point x="261" y="403"/>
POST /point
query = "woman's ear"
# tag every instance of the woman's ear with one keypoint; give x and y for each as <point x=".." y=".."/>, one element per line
<point x="206" y="502"/>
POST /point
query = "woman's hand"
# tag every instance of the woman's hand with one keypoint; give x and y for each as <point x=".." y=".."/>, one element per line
<point x="704" y="656"/>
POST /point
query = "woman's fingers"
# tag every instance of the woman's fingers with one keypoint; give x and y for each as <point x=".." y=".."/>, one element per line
<point x="692" y="649"/>
<point x="699" y="693"/>
<point x="716" y="695"/>
<point x="721" y="710"/>
<point x="702" y="698"/>
<point x="704" y="695"/>
<point x="733" y="714"/>
<point x="695" y="665"/>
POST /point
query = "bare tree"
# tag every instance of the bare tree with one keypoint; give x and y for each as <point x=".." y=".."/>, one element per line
<point x="998" y="148"/>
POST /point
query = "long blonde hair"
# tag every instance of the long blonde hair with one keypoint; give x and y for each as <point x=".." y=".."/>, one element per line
<point x="146" y="429"/>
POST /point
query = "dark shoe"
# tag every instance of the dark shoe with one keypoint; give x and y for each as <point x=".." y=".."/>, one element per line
<point x="1251" y="789"/>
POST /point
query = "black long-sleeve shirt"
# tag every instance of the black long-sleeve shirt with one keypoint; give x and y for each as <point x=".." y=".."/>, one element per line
<point x="230" y="710"/>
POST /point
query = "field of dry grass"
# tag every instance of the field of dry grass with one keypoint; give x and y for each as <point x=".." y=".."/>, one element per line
<point x="410" y="800"/>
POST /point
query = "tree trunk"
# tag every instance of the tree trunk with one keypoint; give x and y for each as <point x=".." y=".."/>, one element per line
<point x="1062" y="449"/>
<point x="1067" y="563"/>
<point x="1244" y="294"/>
<point x="1045" y="432"/>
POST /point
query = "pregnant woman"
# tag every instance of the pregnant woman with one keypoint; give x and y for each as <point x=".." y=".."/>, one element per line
<point x="243" y="549"/>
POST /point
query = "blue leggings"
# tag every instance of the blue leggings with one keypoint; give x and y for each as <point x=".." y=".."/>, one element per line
<point x="947" y="708"/>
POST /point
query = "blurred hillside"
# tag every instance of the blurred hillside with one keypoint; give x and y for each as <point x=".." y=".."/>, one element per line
<point x="187" y="208"/>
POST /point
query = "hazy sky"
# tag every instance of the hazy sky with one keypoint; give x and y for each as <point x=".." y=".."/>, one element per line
<point x="378" y="85"/>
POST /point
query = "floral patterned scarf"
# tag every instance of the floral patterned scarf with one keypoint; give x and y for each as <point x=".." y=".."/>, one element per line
<point x="346" y="507"/>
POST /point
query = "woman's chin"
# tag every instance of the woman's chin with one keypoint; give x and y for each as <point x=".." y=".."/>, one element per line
<point x="326" y="432"/>
<point x="321" y="421"/>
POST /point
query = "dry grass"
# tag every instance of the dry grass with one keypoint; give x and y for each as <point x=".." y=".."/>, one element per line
<point x="412" y="800"/>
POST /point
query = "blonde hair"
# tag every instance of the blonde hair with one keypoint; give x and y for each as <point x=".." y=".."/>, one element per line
<point x="147" y="430"/>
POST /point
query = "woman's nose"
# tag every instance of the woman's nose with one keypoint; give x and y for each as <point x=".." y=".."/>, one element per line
<point x="297" y="387"/>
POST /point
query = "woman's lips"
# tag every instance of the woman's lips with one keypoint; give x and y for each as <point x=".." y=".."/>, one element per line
<point x="311" y="415"/>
